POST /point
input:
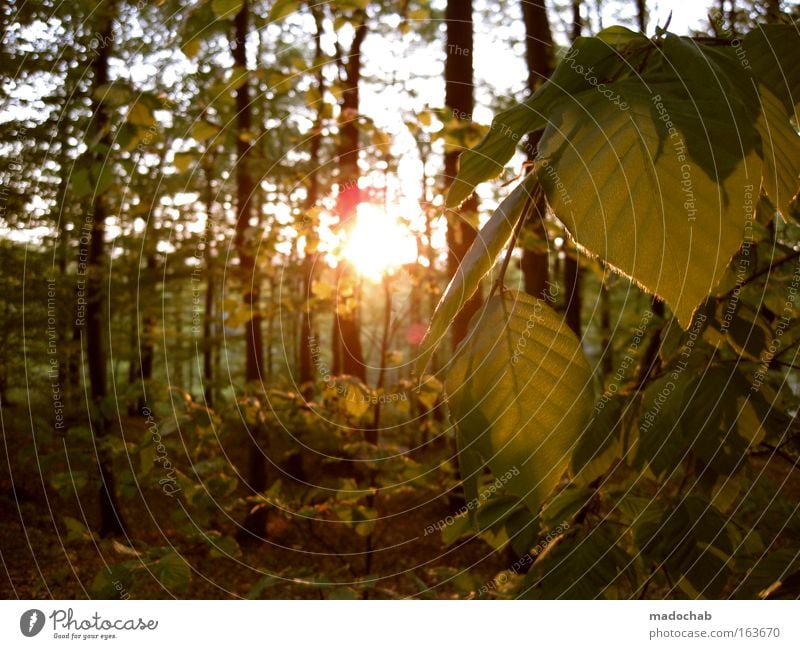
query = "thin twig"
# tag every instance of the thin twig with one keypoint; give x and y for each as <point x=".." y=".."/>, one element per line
<point x="529" y="202"/>
<point x="773" y="264"/>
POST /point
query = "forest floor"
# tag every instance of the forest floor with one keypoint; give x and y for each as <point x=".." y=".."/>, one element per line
<point x="41" y="559"/>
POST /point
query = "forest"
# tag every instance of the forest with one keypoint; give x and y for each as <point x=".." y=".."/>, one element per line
<point x="374" y="299"/>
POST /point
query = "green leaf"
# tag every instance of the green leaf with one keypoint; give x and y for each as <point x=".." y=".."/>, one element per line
<point x="562" y="508"/>
<point x="618" y="36"/>
<point x="600" y="446"/>
<point x="519" y="392"/>
<point x="104" y="178"/>
<point x="282" y="8"/>
<point x="748" y="333"/>
<point x="202" y="131"/>
<point x="698" y="415"/>
<point x="114" y="94"/>
<point x="141" y="115"/>
<point x="771" y="51"/>
<point x="478" y="261"/>
<point x="224" y="9"/>
<point x="184" y="161"/>
<point x="225" y="547"/>
<point x="588" y="59"/>
<point x="780" y="146"/>
<point x="68" y="482"/>
<point x="690" y="539"/>
<point x="81" y="183"/>
<point x="76" y="530"/>
<point x="470" y="467"/>
<point x="663" y="201"/>
<point x="172" y="571"/>
<point x="461" y="526"/>
<point x="583" y="569"/>
<point x="266" y="582"/>
<point x="429" y="391"/>
<point x="191" y="47"/>
<point x="767" y="572"/>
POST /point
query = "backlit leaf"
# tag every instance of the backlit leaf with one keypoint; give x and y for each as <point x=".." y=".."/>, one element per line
<point x="478" y="261"/>
<point x="519" y="393"/>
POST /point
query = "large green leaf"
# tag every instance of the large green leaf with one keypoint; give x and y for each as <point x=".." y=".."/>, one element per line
<point x="519" y="393"/>
<point x="478" y="261"/>
<point x="590" y="61"/>
<point x="691" y="541"/>
<point x="780" y="146"/>
<point x="662" y="190"/>
<point x="750" y="104"/>
<point x="771" y="52"/>
<point x="581" y="567"/>
<point x="714" y="417"/>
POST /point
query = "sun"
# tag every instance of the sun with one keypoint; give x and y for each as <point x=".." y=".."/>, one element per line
<point x="378" y="244"/>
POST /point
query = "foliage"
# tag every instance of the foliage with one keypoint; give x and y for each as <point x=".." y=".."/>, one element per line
<point x="672" y="160"/>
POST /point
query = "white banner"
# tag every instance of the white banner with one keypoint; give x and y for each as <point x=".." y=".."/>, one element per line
<point x="398" y="624"/>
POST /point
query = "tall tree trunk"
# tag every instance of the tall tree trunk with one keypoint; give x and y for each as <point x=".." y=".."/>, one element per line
<point x="144" y="343"/>
<point x="641" y="19"/>
<point x="458" y="76"/>
<point x="208" y="306"/>
<point x="572" y="270"/>
<point x="306" y="367"/>
<point x="607" y="358"/>
<point x="348" y="356"/>
<point x="246" y="246"/>
<point x="577" y="20"/>
<point x="572" y="285"/>
<point x="641" y="15"/>
<point x="538" y="53"/>
<point x="111" y="523"/>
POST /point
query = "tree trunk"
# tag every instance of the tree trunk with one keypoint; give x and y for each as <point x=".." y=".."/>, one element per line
<point x="459" y="98"/>
<point x="607" y="358"/>
<point x="577" y="20"/>
<point x="572" y="285"/>
<point x="306" y="367"/>
<point x="641" y="15"/>
<point x="144" y="344"/>
<point x="111" y="523"/>
<point x="208" y="306"/>
<point x="348" y="356"/>
<point x="572" y="270"/>
<point x="538" y="53"/>
<point x="246" y="246"/>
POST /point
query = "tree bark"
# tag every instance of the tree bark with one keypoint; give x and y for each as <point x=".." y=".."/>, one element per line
<point x="572" y="270"/>
<point x="208" y="306"/>
<point x="577" y="20"/>
<point x="458" y="75"/>
<point x="306" y="367"/>
<point x="641" y="15"/>
<point x="246" y="246"/>
<point x="111" y="523"/>
<point x="348" y="356"/>
<point x="538" y="54"/>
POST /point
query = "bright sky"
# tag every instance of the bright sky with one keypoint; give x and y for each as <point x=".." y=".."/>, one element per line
<point x="499" y="71"/>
